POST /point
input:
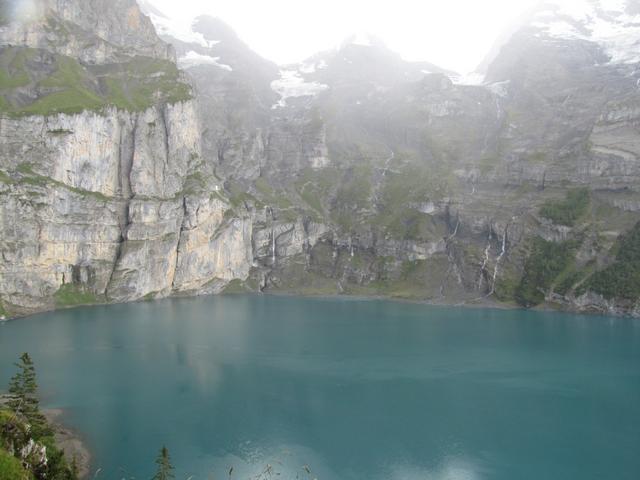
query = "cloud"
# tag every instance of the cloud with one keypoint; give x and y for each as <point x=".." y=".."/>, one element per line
<point x="455" y="34"/>
<point x="25" y="10"/>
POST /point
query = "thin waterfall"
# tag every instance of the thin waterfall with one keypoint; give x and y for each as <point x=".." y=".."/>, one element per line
<point x="273" y="245"/>
<point x="483" y="268"/>
<point x="502" y="253"/>
<point x="268" y="212"/>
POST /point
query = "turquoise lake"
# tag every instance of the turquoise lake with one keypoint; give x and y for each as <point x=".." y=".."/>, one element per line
<point x="351" y="389"/>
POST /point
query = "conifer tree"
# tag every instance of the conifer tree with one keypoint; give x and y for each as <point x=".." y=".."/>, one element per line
<point x="165" y="469"/>
<point x="23" y="399"/>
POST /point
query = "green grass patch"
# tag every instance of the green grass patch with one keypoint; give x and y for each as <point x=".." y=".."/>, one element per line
<point x="71" y="295"/>
<point x="568" y="211"/>
<point x="353" y="195"/>
<point x="411" y="185"/>
<point x="312" y="199"/>
<point x="11" y="468"/>
<point x="29" y="177"/>
<point x="64" y="85"/>
<point x="13" y="69"/>
<point x="270" y="196"/>
<point x="314" y="186"/>
<point x="238" y="196"/>
<point x="236" y="287"/>
<point x="5" y="178"/>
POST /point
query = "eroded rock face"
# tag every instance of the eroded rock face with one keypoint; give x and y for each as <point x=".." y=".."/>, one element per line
<point x="93" y="31"/>
<point x="214" y="247"/>
<point x="98" y="201"/>
<point x="420" y="186"/>
<point x="109" y="205"/>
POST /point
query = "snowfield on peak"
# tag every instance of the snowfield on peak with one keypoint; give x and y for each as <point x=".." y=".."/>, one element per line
<point x="292" y="85"/>
<point x="605" y="22"/>
<point x="362" y="39"/>
<point x="312" y="67"/>
<point x="194" y="59"/>
<point x="179" y="29"/>
<point x="473" y="79"/>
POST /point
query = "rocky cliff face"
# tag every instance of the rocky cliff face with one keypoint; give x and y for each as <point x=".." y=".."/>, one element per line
<point x="114" y="204"/>
<point x="371" y="175"/>
<point x="93" y="31"/>
<point x="354" y="172"/>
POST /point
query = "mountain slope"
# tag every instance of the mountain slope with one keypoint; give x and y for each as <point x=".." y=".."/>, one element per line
<point x="354" y="172"/>
<point x="378" y="176"/>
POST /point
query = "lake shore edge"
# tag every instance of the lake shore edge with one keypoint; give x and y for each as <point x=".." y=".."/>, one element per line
<point x="69" y="441"/>
<point x="480" y="303"/>
<point x="66" y="439"/>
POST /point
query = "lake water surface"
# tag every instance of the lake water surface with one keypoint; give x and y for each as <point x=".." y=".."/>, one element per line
<point x="352" y="389"/>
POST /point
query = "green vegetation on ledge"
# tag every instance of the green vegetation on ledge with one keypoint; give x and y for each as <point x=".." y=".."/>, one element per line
<point x="70" y="295"/>
<point x="622" y="278"/>
<point x="60" y="84"/>
<point x="568" y="211"/>
<point x="546" y="262"/>
<point x="11" y="468"/>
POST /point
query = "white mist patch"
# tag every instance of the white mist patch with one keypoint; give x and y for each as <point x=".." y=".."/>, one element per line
<point x="604" y="22"/>
<point x="292" y="85"/>
<point x="25" y="10"/>
<point x="194" y="59"/>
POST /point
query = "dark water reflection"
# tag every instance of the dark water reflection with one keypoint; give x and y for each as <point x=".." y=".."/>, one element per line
<point x="353" y="389"/>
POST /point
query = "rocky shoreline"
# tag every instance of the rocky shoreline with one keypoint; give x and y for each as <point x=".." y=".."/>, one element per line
<point x="70" y="442"/>
<point x="67" y="440"/>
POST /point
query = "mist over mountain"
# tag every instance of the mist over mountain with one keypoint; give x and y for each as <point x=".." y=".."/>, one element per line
<point x="144" y="157"/>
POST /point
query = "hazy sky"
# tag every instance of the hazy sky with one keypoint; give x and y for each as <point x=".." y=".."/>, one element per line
<point x="454" y="34"/>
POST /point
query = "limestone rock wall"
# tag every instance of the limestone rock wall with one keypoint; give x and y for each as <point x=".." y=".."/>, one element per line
<point x="96" y="203"/>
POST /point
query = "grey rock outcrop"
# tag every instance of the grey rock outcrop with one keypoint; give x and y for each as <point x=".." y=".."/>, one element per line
<point x="115" y="204"/>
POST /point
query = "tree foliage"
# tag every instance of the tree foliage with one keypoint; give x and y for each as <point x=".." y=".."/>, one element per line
<point x="568" y="211"/>
<point x="165" y="469"/>
<point x="622" y="278"/>
<point x="543" y="265"/>
<point x="25" y="433"/>
<point x="23" y="397"/>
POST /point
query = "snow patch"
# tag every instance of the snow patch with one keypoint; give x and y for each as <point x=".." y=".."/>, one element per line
<point x="501" y="89"/>
<point x="312" y="67"/>
<point x="362" y="39"/>
<point x="292" y="85"/>
<point x="180" y="30"/>
<point x="604" y="22"/>
<point x="193" y="59"/>
<point x="473" y="78"/>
